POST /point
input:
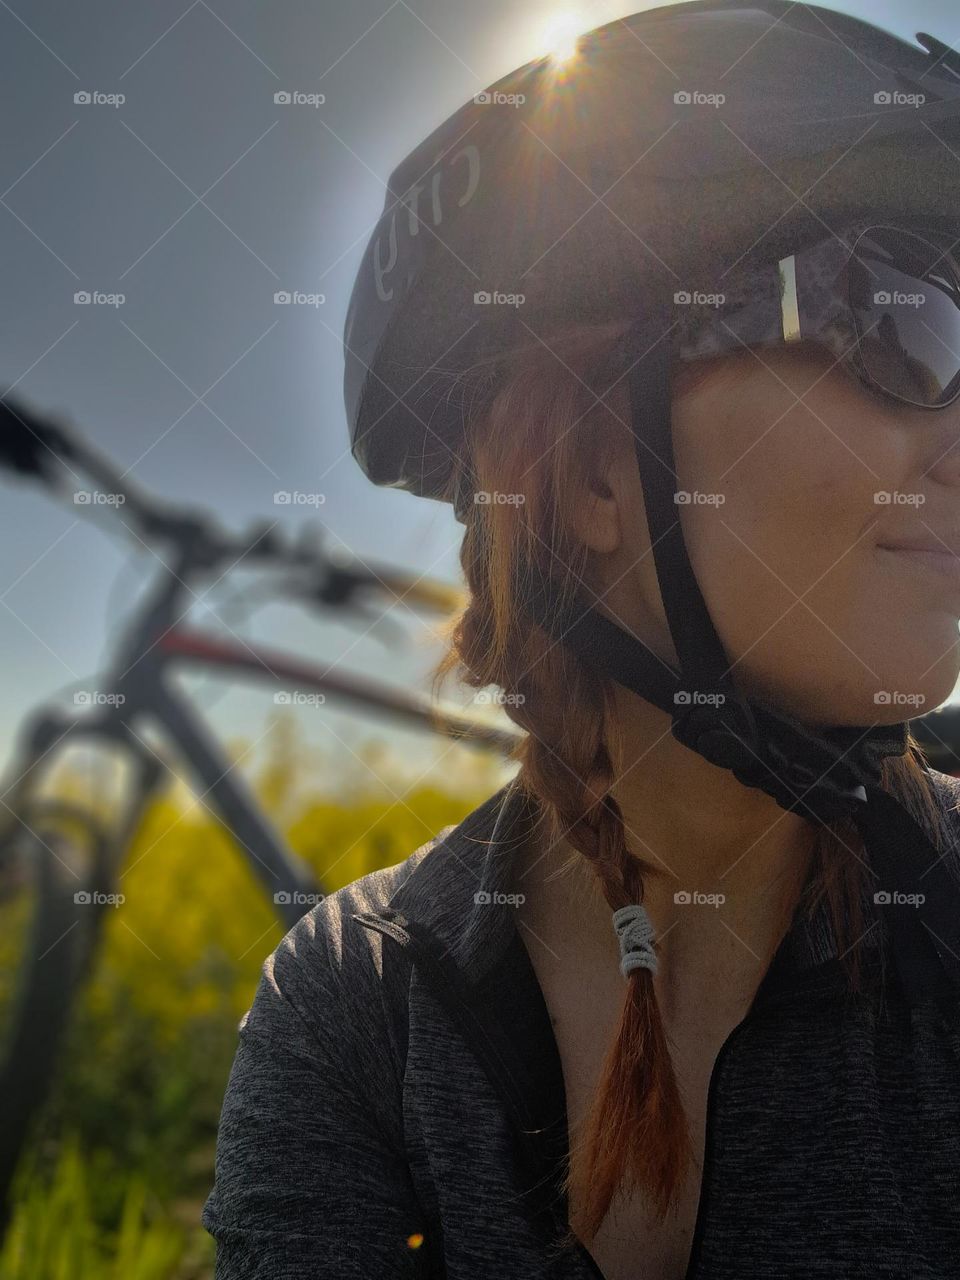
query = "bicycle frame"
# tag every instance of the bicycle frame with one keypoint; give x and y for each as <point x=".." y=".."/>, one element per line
<point x="138" y="689"/>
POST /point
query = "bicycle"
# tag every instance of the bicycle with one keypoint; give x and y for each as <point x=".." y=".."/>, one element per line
<point x="58" y="861"/>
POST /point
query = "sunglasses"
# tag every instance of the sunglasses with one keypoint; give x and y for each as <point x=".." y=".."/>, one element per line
<point x="883" y="299"/>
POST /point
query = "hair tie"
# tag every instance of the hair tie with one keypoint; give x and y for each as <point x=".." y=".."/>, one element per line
<point x="634" y="929"/>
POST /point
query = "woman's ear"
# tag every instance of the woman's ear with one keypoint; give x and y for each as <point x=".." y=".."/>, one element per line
<point x="601" y="496"/>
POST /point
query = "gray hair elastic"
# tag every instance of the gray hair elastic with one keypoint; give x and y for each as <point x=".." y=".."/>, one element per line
<point x="634" y="929"/>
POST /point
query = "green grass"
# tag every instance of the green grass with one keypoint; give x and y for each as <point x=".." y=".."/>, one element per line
<point x="122" y="1157"/>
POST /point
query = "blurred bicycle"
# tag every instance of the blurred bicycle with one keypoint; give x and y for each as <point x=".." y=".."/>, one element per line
<point x="59" y="860"/>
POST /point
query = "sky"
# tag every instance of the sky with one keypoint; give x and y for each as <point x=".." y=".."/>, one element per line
<point x="197" y="198"/>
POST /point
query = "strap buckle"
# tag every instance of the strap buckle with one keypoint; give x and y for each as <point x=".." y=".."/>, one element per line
<point x="821" y="785"/>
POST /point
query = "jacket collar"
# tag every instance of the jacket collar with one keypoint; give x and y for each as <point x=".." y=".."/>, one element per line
<point x="475" y="956"/>
<point x="458" y="889"/>
<point x="459" y="892"/>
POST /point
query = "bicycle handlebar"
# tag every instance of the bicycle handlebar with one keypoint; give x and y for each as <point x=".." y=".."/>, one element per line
<point x="36" y="445"/>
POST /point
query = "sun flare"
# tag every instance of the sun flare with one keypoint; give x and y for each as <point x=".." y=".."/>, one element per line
<point x="560" y="35"/>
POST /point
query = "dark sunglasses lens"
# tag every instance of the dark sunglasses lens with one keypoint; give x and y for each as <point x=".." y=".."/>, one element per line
<point x="905" y="296"/>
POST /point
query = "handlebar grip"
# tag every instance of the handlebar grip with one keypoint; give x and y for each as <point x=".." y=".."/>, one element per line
<point x="28" y="444"/>
<point x="425" y="593"/>
<point x="343" y="581"/>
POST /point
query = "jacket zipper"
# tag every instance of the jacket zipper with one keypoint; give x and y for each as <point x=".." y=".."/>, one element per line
<point x="709" y="1152"/>
<point x="696" y="1246"/>
<point x="382" y="925"/>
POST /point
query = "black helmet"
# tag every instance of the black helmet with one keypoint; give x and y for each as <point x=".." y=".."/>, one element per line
<point x="584" y="189"/>
<point x="524" y="189"/>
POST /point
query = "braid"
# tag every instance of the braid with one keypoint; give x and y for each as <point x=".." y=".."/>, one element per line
<point x="636" y="1132"/>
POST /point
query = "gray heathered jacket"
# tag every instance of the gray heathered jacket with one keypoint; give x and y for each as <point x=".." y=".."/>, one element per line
<point x="372" y="1099"/>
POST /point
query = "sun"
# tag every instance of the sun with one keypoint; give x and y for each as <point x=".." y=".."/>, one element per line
<point x="560" y="35"/>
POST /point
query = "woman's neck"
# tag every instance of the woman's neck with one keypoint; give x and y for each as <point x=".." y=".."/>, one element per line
<point x="727" y="867"/>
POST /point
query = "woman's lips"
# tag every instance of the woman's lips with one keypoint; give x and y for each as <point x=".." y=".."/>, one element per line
<point x="941" y="562"/>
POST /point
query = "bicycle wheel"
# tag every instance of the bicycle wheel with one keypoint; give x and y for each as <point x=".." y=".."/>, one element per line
<point x="52" y="868"/>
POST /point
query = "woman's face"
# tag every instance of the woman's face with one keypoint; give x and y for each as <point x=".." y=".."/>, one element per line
<point x="800" y="479"/>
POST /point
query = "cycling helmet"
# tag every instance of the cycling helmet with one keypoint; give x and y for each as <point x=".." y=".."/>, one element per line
<point x="515" y="192"/>
<point x="621" y="156"/>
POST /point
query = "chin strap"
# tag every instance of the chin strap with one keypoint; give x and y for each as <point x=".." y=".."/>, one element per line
<point x="820" y="774"/>
<point x="824" y="774"/>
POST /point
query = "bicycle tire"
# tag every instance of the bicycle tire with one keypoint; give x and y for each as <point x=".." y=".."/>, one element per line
<point x="62" y="939"/>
